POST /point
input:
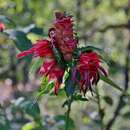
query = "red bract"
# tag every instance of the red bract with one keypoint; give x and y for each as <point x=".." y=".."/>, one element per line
<point x="53" y="71"/>
<point x="63" y="35"/>
<point x="89" y="68"/>
<point x="2" y="26"/>
<point x="40" y="49"/>
<point x="50" y="67"/>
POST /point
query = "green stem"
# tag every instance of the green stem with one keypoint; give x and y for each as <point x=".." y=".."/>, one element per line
<point x="67" y="125"/>
<point x="100" y="109"/>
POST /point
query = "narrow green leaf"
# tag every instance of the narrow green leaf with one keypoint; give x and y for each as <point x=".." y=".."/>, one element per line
<point x="66" y="75"/>
<point x="78" y="51"/>
<point x="35" y="66"/>
<point x="45" y="88"/>
<point x="110" y="82"/>
<point x="88" y="48"/>
<point x="66" y="102"/>
<point x="58" y="57"/>
<point x="79" y="98"/>
<point x="108" y="100"/>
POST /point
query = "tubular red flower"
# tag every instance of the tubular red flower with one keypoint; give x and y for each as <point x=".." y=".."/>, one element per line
<point x="63" y="35"/>
<point x="50" y="67"/>
<point x="54" y="73"/>
<point x="89" y="67"/>
<point x="2" y="26"/>
<point x="40" y="49"/>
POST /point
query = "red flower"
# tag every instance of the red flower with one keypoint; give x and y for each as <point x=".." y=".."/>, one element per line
<point x="53" y="71"/>
<point x="40" y="49"/>
<point x="63" y="35"/>
<point x="50" y="67"/>
<point x="2" y="26"/>
<point x="89" y="68"/>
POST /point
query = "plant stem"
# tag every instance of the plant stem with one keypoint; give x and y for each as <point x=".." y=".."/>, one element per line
<point x="68" y="113"/>
<point x="121" y="98"/>
<point x="100" y="109"/>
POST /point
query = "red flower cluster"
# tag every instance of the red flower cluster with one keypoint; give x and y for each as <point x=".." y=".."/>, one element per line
<point x="62" y="40"/>
<point x="63" y="35"/>
<point x="2" y="26"/>
<point x="50" y="67"/>
<point x="89" y="68"/>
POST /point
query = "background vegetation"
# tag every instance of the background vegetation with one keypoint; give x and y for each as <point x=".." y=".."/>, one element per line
<point x="101" y="23"/>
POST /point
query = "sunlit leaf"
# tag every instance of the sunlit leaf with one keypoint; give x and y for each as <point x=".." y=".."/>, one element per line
<point x="29" y="126"/>
<point x="36" y="65"/>
<point x="32" y="29"/>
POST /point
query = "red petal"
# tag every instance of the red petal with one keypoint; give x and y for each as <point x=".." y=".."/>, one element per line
<point x="24" y="53"/>
<point x="47" y="66"/>
<point x="56" y="87"/>
<point x="103" y="70"/>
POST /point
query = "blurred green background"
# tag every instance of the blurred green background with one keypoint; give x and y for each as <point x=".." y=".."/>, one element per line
<point x="101" y="23"/>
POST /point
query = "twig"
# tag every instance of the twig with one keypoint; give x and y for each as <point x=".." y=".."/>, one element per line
<point x="121" y="99"/>
<point x="100" y="109"/>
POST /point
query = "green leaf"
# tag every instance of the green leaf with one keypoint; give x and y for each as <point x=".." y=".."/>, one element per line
<point x="31" y="108"/>
<point x="66" y="76"/>
<point x="78" y="51"/>
<point x="29" y="126"/>
<point x="79" y="98"/>
<point x="19" y="101"/>
<point x="89" y="48"/>
<point x="21" y="41"/>
<point x="58" y="57"/>
<point x="6" y="20"/>
<point x="4" y="123"/>
<point x="108" y="100"/>
<point x="36" y="65"/>
<point x="45" y="88"/>
<point x="126" y="115"/>
<point x="110" y="82"/>
<point x="32" y="28"/>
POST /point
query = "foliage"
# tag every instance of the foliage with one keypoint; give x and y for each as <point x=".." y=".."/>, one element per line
<point x="102" y="27"/>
